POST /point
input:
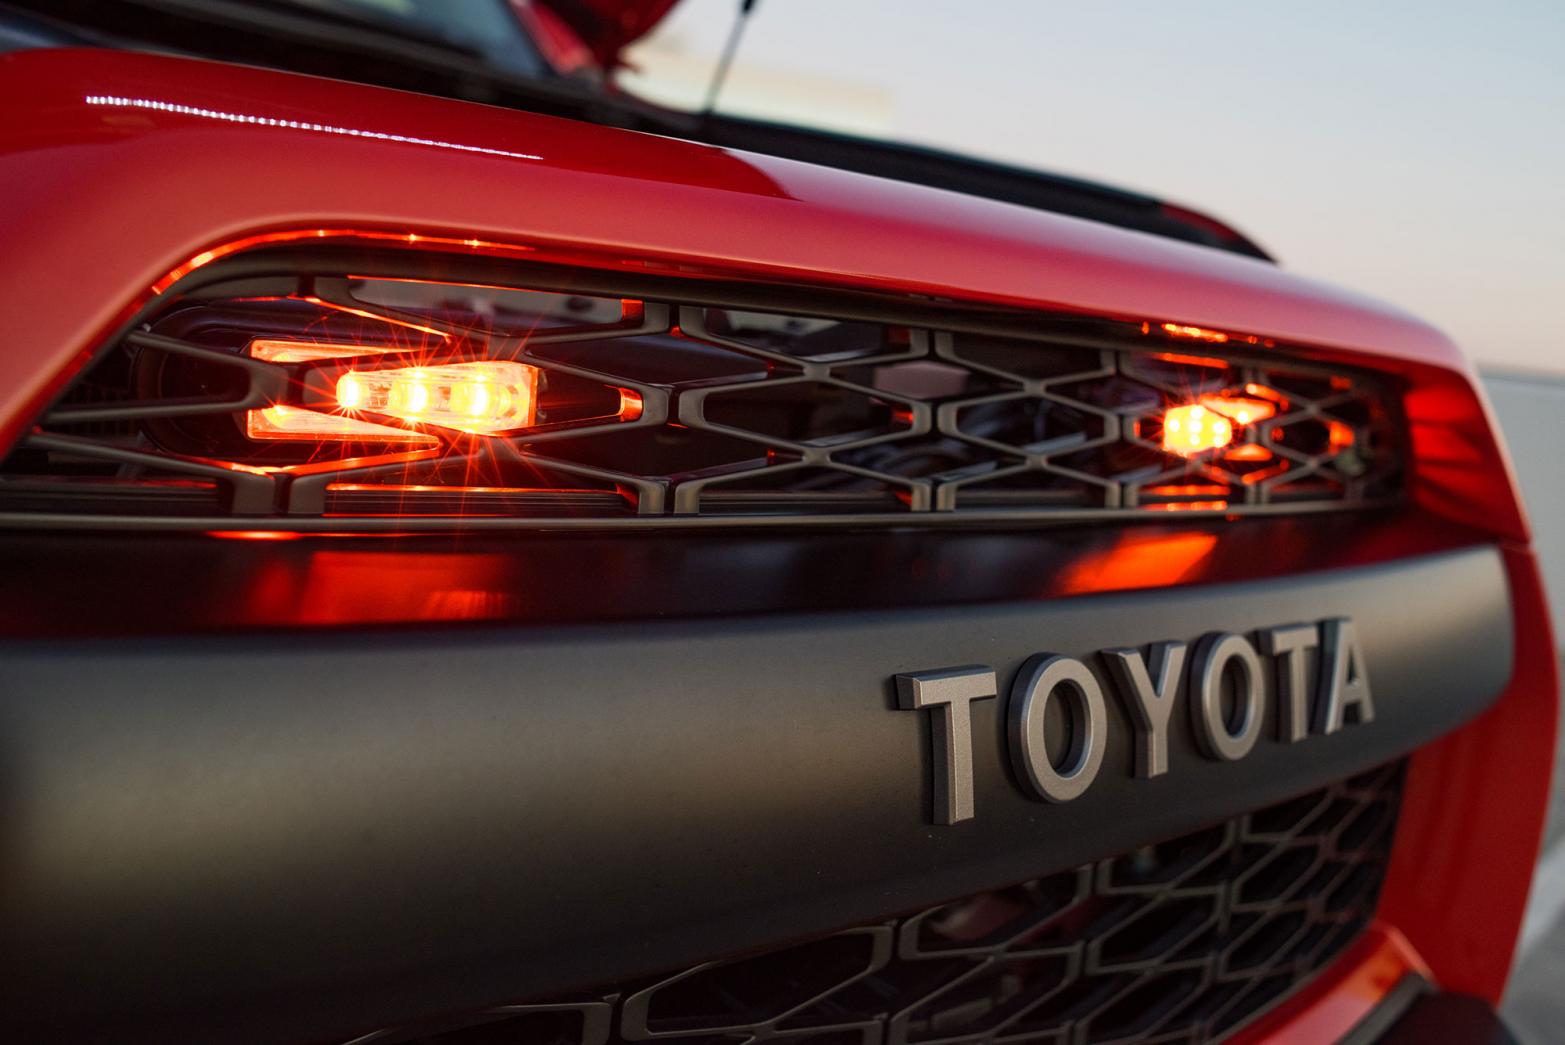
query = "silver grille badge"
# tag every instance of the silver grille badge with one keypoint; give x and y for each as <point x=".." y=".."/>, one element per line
<point x="1226" y="684"/>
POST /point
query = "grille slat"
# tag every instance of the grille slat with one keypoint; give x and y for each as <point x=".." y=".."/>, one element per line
<point x="1183" y="941"/>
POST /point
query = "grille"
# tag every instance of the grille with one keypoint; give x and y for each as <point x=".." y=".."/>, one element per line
<point x="672" y="411"/>
<point x="1183" y="941"/>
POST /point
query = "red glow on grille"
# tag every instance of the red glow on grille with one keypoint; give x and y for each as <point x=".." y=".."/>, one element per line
<point x="1186" y="489"/>
<point x="331" y="465"/>
<point x="1339" y="437"/>
<point x="1186" y="360"/>
<point x="1263" y="392"/>
<point x="378" y="318"/>
<point x="1248" y="452"/>
<point x="1189" y="506"/>
<point x="630" y="405"/>
<point x="1239" y="409"/>
<point x="1187" y="332"/>
<point x="424" y="488"/>
<point x="206" y="257"/>
<point x="1190" y="333"/>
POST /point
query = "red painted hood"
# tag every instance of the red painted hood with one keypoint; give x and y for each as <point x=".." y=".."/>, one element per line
<point x="609" y="26"/>
<point x="116" y="167"/>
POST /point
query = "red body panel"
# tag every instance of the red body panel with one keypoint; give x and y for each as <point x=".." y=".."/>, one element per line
<point x="172" y="184"/>
<point x="117" y="169"/>
<point x="1331" y="1006"/>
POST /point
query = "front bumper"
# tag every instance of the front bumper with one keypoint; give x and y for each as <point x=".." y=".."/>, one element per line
<point x="260" y="838"/>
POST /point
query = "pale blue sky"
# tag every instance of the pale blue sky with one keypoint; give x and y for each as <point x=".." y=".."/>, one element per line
<point x="1415" y="151"/>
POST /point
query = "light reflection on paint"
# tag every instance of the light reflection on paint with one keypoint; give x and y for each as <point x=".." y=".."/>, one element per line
<point x="294" y="125"/>
<point x="206" y="257"/>
<point x="331" y="586"/>
<point x="1139" y="560"/>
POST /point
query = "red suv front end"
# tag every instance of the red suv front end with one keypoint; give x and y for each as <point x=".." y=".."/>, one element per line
<point x="471" y="575"/>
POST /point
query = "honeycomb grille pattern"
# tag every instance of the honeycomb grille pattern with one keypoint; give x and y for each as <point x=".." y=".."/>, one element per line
<point x="666" y="411"/>
<point x="1183" y="941"/>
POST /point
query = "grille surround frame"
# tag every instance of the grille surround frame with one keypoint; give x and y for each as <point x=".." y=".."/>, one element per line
<point x="260" y="501"/>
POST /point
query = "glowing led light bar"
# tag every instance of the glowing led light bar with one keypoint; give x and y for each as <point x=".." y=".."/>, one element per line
<point x="156" y="105"/>
<point x="482" y="397"/>
<point x="296" y="422"/>
<point x="1193" y="429"/>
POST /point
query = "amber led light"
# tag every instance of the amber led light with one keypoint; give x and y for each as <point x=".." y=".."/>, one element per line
<point x="1212" y="421"/>
<point x="483" y="397"/>
<point x="1191" y="429"/>
<point x="296" y="422"/>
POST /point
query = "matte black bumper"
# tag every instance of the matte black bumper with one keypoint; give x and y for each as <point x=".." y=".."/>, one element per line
<point x="258" y="838"/>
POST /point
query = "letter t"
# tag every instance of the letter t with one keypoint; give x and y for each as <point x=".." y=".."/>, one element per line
<point x="950" y="692"/>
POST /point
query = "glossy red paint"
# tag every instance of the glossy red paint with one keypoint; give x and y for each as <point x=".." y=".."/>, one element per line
<point x="121" y="169"/>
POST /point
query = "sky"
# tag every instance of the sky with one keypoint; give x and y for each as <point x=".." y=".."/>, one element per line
<point x="1411" y="150"/>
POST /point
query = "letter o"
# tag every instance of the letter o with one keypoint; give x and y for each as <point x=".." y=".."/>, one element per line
<point x="1040" y="678"/>
<point x="1212" y="656"/>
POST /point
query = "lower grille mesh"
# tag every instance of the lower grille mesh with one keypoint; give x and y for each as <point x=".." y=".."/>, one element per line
<point x="1183" y="941"/>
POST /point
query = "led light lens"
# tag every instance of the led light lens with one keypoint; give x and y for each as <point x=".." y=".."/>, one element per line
<point x="1193" y="429"/>
<point x="296" y="422"/>
<point x="484" y="397"/>
<point x="480" y="397"/>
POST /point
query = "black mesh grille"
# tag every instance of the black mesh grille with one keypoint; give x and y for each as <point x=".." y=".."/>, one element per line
<point x="670" y="411"/>
<point x="1182" y="941"/>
